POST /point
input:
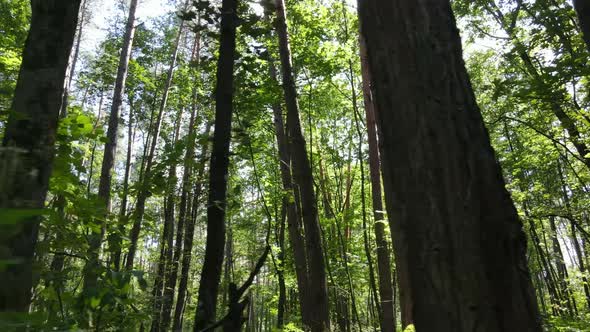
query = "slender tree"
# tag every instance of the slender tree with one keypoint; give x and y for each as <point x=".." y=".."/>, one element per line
<point x="455" y="221"/>
<point x="383" y="260"/>
<point x="143" y="192"/>
<point x="218" y="169"/>
<point x="303" y="179"/>
<point x="27" y="150"/>
<point x="108" y="162"/>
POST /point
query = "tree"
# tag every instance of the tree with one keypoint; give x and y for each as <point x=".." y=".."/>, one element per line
<point x="583" y="10"/>
<point x="28" y="143"/>
<point x="455" y="221"/>
<point x="303" y="178"/>
<point x="218" y="169"/>
<point x="108" y="162"/>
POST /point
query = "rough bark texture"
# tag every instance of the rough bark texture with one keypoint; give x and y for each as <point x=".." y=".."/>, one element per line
<point x="383" y="260"/>
<point x="583" y="10"/>
<point x="303" y="179"/>
<point x="218" y="169"/>
<point x="27" y="149"/>
<point x="443" y="185"/>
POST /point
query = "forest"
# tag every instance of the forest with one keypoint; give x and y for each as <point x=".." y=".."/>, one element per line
<point x="295" y="165"/>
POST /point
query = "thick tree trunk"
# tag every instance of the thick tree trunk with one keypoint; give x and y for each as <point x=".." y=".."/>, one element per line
<point x="454" y="218"/>
<point x="383" y="260"/>
<point x="91" y="269"/>
<point x="143" y="193"/>
<point x="27" y="148"/>
<point x="583" y="10"/>
<point x="218" y="169"/>
<point x="303" y="179"/>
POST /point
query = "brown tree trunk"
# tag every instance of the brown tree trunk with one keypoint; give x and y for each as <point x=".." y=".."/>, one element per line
<point x="143" y="193"/>
<point x="303" y="179"/>
<point x="454" y="218"/>
<point x="387" y="322"/>
<point x="27" y="148"/>
<point x="218" y="169"/>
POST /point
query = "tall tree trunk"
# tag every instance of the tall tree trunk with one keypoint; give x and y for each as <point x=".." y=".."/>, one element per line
<point x="218" y="169"/>
<point x="583" y="10"/>
<point x="562" y="274"/>
<point x="383" y="260"/>
<point x="303" y="179"/>
<point x="116" y="250"/>
<point x="74" y="60"/>
<point x="293" y="217"/>
<point x="143" y="193"/>
<point x="27" y="149"/>
<point x="444" y="187"/>
<point x="162" y="299"/>
<point x="165" y="253"/>
<point x="189" y="236"/>
<point x="91" y="269"/>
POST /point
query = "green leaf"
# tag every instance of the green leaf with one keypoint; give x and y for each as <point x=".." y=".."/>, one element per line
<point x="14" y="216"/>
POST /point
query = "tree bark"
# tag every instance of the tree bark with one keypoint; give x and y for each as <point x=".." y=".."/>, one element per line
<point x="582" y="8"/>
<point x="383" y="260"/>
<point x="218" y="169"/>
<point x="303" y="179"/>
<point x="27" y="149"/>
<point x="455" y="220"/>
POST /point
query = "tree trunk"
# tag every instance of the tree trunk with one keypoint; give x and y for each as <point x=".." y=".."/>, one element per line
<point x="189" y="236"/>
<point x="293" y="217"/>
<point x="455" y="220"/>
<point x="583" y="10"/>
<point x="303" y="179"/>
<point x="27" y="149"/>
<point x="91" y="269"/>
<point x="143" y="192"/>
<point x="116" y="251"/>
<point x="383" y="260"/>
<point x="74" y="60"/>
<point x="218" y="169"/>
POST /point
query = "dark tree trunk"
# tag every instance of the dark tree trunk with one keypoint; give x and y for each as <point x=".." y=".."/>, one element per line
<point x="27" y="149"/>
<point x="454" y="218"/>
<point x="303" y="179"/>
<point x="583" y="10"/>
<point x="143" y="192"/>
<point x="383" y="260"/>
<point x="218" y="169"/>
